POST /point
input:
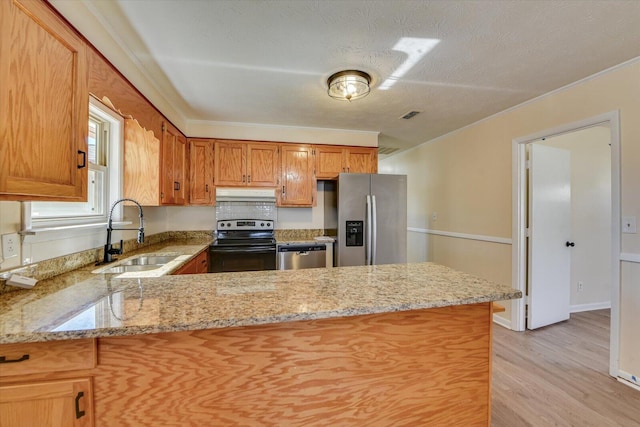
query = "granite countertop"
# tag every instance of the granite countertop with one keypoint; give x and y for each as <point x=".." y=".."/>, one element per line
<point x="82" y="304"/>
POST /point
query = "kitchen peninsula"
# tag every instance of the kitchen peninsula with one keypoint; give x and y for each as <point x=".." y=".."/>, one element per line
<point x="406" y="344"/>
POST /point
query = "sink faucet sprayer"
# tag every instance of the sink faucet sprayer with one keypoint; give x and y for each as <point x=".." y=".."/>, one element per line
<point x="109" y="250"/>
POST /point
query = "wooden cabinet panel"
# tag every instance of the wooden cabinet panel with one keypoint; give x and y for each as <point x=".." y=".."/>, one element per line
<point x="201" y="157"/>
<point x="141" y="164"/>
<point x="298" y="181"/>
<point x="230" y="164"/>
<point x="420" y="368"/>
<point x="173" y="164"/>
<point x="47" y="404"/>
<point x="333" y="160"/>
<point x="262" y="165"/>
<point x="241" y="164"/>
<point x="44" y="105"/>
<point x="198" y="265"/>
<point x="41" y="357"/>
<point x="362" y="160"/>
<point x="329" y="162"/>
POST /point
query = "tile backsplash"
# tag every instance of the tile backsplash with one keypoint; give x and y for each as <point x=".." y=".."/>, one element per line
<point x="246" y="210"/>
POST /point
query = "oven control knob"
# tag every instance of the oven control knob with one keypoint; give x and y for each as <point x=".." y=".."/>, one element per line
<point x="222" y="224"/>
<point x="268" y="224"/>
<point x="228" y="224"/>
<point x="262" y="224"/>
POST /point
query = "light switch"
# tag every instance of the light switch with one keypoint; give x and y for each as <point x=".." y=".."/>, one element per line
<point x="629" y="224"/>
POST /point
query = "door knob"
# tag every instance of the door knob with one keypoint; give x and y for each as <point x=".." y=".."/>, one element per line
<point x="570" y="244"/>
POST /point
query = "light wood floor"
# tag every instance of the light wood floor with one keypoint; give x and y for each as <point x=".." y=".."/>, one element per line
<point x="558" y="376"/>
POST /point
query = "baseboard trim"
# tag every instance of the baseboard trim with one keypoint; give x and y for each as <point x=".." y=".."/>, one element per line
<point x="499" y="320"/>
<point x="628" y="379"/>
<point x="589" y="307"/>
<point x="491" y="239"/>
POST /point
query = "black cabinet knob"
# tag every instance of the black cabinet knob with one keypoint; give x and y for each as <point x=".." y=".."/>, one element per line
<point x="570" y="244"/>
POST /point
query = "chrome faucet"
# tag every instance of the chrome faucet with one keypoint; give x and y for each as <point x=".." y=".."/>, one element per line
<point x="109" y="250"/>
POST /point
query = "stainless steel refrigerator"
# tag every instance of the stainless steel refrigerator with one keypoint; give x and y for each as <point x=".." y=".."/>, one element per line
<point x="369" y="212"/>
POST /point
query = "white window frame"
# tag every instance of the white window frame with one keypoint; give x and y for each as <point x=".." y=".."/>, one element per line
<point x="113" y="185"/>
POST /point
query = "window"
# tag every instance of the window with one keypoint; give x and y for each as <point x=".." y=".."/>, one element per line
<point x="103" y="187"/>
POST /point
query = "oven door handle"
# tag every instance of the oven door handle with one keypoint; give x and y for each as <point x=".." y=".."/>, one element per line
<point x="252" y="250"/>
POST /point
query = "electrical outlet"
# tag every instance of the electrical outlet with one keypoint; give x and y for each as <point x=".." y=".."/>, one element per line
<point x="629" y="224"/>
<point x="580" y="286"/>
<point x="434" y="216"/>
<point x="10" y="244"/>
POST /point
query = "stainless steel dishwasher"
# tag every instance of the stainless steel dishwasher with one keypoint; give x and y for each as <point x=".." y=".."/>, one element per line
<point x="296" y="256"/>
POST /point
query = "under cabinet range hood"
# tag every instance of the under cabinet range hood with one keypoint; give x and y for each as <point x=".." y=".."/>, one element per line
<point x="232" y="194"/>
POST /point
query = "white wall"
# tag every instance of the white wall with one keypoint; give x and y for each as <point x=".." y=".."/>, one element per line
<point x="590" y="214"/>
<point x="466" y="177"/>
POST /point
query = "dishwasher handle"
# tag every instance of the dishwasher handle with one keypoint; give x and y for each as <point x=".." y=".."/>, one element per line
<point x="302" y="249"/>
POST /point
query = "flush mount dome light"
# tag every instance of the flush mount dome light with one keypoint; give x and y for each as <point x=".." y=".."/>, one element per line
<point x="349" y="85"/>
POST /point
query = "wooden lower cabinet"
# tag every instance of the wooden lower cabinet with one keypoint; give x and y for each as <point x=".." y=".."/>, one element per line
<point x="198" y="265"/>
<point x="422" y="367"/>
<point x="47" y="384"/>
<point x="47" y="404"/>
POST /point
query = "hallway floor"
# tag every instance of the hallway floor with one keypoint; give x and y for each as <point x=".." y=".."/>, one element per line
<point x="558" y="376"/>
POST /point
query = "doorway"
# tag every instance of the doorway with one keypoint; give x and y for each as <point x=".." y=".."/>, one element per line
<point x="610" y="124"/>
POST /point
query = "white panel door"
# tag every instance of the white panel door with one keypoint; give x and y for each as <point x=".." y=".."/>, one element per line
<point x="550" y="233"/>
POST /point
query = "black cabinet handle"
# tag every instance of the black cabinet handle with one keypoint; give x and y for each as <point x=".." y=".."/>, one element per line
<point x="244" y="178"/>
<point x="84" y="159"/>
<point x="79" y="413"/>
<point x="248" y="178"/>
<point x="206" y="188"/>
<point x="570" y="244"/>
<point x="176" y="185"/>
<point x="24" y="357"/>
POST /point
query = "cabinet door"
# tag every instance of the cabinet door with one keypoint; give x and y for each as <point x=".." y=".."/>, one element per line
<point x="201" y="153"/>
<point x="362" y="160"/>
<point x="44" y="105"/>
<point x="47" y="404"/>
<point x="298" y="181"/>
<point x="174" y="154"/>
<point x="141" y="164"/>
<point x="262" y="165"/>
<point x="330" y="161"/>
<point x="231" y="160"/>
<point x="180" y="170"/>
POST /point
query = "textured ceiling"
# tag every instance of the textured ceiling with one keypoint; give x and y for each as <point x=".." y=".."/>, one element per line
<point x="267" y="61"/>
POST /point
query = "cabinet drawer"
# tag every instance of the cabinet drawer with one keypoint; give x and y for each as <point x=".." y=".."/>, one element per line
<point x="42" y="357"/>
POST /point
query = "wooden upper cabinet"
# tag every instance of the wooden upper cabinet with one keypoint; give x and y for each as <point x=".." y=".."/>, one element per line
<point x="201" y="161"/>
<point x="246" y="164"/>
<point x="331" y="160"/>
<point x="230" y="163"/>
<point x="298" y="181"/>
<point x="262" y="165"/>
<point x="174" y="167"/>
<point x="44" y="105"/>
<point x="362" y="160"/>
<point x="141" y="164"/>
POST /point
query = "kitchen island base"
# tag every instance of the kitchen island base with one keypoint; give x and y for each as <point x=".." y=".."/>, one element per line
<point x="421" y="367"/>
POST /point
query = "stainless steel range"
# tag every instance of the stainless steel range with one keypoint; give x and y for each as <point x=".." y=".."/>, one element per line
<point x="243" y="245"/>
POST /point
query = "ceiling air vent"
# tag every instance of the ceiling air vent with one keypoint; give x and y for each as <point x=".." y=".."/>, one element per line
<point x="410" y="115"/>
<point x="387" y="150"/>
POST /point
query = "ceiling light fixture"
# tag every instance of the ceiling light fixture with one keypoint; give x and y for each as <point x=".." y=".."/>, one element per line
<point x="349" y="85"/>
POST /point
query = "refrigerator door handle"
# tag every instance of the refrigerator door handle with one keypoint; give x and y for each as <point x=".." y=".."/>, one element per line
<point x="374" y="226"/>
<point x="368" y="237"/>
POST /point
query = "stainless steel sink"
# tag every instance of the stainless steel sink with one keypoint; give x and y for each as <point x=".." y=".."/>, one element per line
<point x="149" y="260"/>
<point x="127" y="268"/>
